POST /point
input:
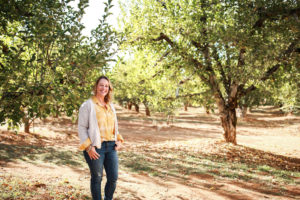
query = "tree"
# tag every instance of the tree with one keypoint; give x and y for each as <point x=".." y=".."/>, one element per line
<point x="47" y="66"/>
<point x="138" y="83"/>
<point x="285" y="92"/>
<point x="193" y="92"/>
<point x="232" y="45"/>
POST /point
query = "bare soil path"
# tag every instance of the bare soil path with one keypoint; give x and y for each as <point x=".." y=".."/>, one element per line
<point x="186" y="160"/>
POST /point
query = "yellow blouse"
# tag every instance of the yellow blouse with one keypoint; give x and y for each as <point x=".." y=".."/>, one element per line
<point x="106" y="122"/>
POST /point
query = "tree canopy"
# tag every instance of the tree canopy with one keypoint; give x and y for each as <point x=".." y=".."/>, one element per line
<point x="233" y="46"/>
<point x="47" y="65"/>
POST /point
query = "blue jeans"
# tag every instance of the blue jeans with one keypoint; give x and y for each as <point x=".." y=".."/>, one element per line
<point x="108" y="159"/>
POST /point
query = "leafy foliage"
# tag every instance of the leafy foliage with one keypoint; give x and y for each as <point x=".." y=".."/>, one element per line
<point x="232" y="46"/>
<point x="47" y="66"/>
<point x="137" y="83"/>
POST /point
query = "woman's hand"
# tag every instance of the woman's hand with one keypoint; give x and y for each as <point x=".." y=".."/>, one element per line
<point x="118" y="145"/>
<point x="93" y="154"/>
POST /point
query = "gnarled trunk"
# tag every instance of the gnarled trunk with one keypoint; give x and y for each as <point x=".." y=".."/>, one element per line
<point x="137" y="108"/>
<point x="228" y="114"/>
<point x="147" y="111"/>
<point x="26" y="128"/>
<point x="228" y="120"/>
<point x="26" y="125"/>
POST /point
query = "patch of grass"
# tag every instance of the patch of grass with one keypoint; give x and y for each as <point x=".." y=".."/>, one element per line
<point x="32" y="153"/>
<point x="19" y="189"/>
<point x="180" y="164"/>
<point x="279" y="175"/>
<point x="264" y="168"/>
<point x="138" y="164"/>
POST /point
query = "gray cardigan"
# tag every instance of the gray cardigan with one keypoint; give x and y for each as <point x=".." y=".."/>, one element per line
<point x="88" y="125"/>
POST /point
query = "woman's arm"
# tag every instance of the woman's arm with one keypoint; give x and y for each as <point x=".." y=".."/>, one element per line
<point x="83" y="126"/>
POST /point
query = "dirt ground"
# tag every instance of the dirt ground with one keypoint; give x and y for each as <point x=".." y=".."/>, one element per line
<point x="262" y="130"/>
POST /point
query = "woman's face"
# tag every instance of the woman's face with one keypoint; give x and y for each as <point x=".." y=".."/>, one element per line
<point x="102" y="87"/>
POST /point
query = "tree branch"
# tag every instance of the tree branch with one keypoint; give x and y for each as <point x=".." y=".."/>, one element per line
<point x="273" y="14"/>
<point x="223" y="75"/>
<point x="272" y="70"/>
<point x="196" y="63"/>
<point x="162" y="36"/>
<point x="162" y="57"/>
<point x="182" y="96"/>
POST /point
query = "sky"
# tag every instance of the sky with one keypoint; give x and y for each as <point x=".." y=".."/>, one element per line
<point x="95" y="11"/>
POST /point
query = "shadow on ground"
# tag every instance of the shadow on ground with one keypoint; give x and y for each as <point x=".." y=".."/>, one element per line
<point x="34" y="153"/>
<point x="260" y="171"/>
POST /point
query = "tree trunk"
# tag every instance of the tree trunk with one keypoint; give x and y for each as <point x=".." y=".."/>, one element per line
<point x="137" y="108"/>
<point x="57" y="111"/>
<point x="207" y="110"/>
<point x="244" y="111"/>
<point x="185" y="107"/>
<point x="26" y="128"/>
<point x="228" y="113"/>
<point x="147" y="111"/>
<point x="129" y="105"/>
<point x="228" y="120"/>
<point x="26" y="125"/>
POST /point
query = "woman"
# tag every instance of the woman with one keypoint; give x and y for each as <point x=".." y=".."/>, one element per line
<point x="100" y="138"/>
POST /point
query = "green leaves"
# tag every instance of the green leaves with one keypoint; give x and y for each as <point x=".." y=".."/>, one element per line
<point x="232" y="47"/>
<point x="49" y="66"/>
<point x="222" y="37"/>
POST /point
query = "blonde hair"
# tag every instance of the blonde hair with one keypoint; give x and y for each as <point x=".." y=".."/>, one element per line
<point x="108" y="97"/>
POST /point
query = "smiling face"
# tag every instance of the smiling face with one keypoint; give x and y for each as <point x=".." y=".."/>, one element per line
<point x="103" y="87"/>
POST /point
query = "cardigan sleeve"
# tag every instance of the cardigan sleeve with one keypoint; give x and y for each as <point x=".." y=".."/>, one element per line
<point x="83" y="126"/>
